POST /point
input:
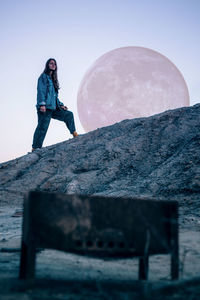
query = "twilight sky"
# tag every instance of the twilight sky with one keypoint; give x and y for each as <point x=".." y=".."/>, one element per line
<point x="77" y="33"/>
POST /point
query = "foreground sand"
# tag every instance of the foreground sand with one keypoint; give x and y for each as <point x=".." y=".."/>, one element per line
<point x="67" y="276"/>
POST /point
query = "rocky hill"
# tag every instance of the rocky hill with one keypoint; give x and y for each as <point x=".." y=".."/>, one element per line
<point x="158" y="156"/>
<point x="155" y="157"/>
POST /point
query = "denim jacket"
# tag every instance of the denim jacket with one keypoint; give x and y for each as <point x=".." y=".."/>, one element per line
<point x="46" y="94"/>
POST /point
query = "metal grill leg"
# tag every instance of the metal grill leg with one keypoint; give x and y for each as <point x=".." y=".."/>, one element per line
<point x="174" y="245"/>
<point x="27" y="262"/>
<point x="143" y="267"/>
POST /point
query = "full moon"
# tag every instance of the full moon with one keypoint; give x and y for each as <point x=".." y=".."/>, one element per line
<point x="126" y="83"/>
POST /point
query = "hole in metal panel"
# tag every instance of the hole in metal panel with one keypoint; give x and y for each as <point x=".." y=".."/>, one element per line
<point x="121" y="245"/>
<point x="79" y="243"/>
<point x="111" y="244"/>
<point x="100" y="244"/>
<point x="89" y="243"/>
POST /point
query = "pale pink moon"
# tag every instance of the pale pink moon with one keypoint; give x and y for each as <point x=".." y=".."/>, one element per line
<point x="128" y="83"/>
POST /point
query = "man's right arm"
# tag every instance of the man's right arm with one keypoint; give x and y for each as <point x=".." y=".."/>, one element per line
<point x="42" y="91"/>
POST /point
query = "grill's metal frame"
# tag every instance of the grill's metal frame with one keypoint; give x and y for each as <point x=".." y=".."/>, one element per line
<point x="99" y="226"/>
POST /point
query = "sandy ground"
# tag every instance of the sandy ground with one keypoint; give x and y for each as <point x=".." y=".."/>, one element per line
<point x="68" y="276"/>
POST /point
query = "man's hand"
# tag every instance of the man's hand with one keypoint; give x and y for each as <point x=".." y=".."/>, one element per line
<point x="43" y="108"/>
<point x="64" y="107"/>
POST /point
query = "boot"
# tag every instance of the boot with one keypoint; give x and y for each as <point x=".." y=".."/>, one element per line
<point x="75" y="134"/>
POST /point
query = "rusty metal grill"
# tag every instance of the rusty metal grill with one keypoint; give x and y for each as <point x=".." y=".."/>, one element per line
<point x="100" y="226"/>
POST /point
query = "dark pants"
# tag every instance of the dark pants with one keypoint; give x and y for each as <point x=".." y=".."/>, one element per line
<point x="44" y="120"/>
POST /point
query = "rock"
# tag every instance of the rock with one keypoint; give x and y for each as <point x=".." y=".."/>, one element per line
<point x="158" y="156"/>
<point x="17" y="214"/>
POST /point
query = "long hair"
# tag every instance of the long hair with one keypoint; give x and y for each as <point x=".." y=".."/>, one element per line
<point x="54" y="75"/>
